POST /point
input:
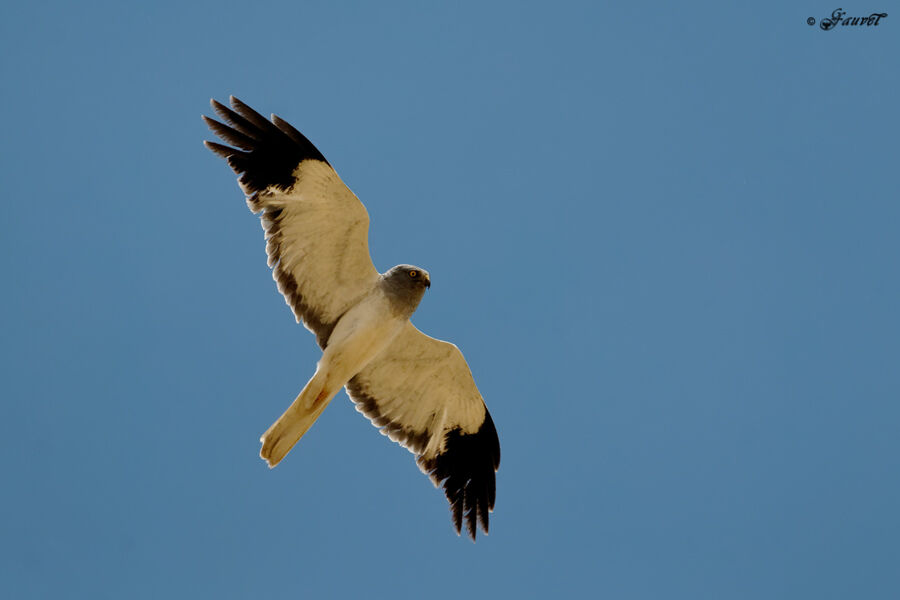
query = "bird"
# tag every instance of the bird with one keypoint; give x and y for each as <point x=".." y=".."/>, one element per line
<point x="417" y="390"/>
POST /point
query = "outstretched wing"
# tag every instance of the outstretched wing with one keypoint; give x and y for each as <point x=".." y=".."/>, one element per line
<point x="317" y="230"/>
<point x="420" y="392"/>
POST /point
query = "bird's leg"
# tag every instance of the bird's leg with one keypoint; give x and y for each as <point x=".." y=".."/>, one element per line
<point x="278" y="440"/>
<point x="322" y="397"/>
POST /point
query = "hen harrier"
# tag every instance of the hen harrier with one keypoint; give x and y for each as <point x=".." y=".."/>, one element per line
<point x="418" y="390"/>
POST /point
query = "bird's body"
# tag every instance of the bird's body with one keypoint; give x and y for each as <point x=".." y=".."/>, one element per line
<point x="416" y="389"/>
<point x="360" y="335"/>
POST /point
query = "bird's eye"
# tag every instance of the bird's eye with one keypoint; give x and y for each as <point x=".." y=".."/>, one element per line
<point x="413" y="274"/>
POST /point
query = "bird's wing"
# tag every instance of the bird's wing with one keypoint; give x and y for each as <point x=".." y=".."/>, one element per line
<point x="317" y="231"/>
<point x="420" y="392"/>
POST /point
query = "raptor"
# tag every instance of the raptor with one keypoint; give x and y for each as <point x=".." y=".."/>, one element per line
<point x="417" y="389"/>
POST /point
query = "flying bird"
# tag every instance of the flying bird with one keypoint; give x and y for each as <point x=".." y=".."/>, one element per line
<point x="417" y="389"/>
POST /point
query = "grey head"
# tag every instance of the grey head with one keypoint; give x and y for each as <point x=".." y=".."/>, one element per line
<point x="405" y="285"/>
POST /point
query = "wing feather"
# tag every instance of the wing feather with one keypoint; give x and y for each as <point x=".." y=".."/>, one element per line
<point x="420" y="393"/>
<point x="316" y="229"/>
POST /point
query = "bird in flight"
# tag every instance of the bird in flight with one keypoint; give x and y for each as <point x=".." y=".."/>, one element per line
<point x="417" y="389"/>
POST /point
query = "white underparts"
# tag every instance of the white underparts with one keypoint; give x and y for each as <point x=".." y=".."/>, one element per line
<point x="358" y="337"/>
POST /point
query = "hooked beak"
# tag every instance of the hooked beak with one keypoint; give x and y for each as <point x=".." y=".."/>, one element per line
<point x="428" y="282"/>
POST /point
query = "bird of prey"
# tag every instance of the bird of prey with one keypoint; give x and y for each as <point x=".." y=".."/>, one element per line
<point x="417" y="389"/>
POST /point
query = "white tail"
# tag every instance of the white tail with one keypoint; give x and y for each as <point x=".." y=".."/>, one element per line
<point x="278" y="440"/>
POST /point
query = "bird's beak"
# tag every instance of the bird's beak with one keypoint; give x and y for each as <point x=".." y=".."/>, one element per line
<point x="428" y="282"/>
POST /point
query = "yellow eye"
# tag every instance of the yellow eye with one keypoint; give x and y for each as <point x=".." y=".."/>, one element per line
<point x="413" y="274"/>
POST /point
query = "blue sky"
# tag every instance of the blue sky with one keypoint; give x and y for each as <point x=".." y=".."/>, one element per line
<point x="664" y="236"/>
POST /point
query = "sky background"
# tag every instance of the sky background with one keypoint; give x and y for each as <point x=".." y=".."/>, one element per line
<point x="665" y="236"/>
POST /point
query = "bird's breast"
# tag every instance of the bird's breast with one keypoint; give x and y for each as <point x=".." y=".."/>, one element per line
<point x="361" y="334"/>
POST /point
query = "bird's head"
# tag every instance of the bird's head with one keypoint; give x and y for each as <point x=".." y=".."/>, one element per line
<point x="407" y="284"/>
<point x="409" y="277"/>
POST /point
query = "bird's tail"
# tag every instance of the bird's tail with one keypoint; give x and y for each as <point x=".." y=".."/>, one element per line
<point x="278" y="440"/>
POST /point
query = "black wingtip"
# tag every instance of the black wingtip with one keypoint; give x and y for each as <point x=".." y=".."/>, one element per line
<point x="230" y="135"/>
<point x="466" y="470"/>
<point x="219" y="149"/>
<point x="251" y="115"/>
<point x="266" y="153"/>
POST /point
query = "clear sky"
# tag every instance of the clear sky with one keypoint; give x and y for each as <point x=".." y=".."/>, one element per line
<point x="664" y="235"/>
